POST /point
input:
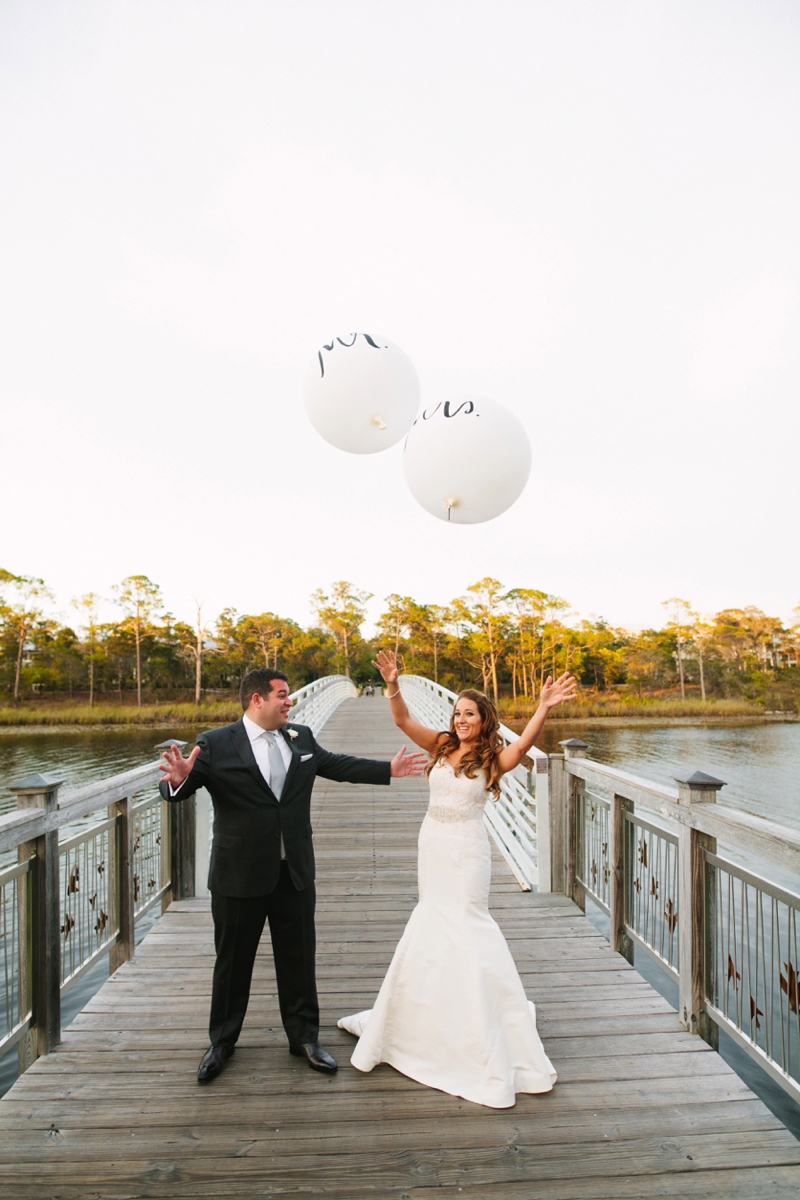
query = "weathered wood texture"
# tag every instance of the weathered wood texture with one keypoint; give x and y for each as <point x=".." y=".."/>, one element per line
<point x="619" y="876"/>
<point x="122" y="890"/>
<point x="642" y="1108"/>
<point x="182" y="847"/>
<point x="693" y="933"/>
<point x="41" y="971"/>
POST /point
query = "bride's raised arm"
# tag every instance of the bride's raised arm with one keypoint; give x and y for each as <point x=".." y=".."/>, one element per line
<point x="420" y="735"/>
<point x="553" y="693"/>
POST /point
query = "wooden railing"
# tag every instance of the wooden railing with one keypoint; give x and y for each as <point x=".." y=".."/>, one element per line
<point x="726" y="935"/>
<point x="89" y="864"/>
<point x="519" y="822"/>
<point x="66" y="903"/>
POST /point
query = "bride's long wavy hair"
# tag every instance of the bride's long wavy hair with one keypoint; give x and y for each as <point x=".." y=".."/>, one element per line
<point x="483" y="755"/>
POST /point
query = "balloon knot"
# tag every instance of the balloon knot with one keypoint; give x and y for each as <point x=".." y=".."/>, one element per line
<point x="377" y="421"/>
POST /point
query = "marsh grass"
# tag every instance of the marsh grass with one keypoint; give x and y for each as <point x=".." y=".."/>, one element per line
<point x="633" y="708"/>
<point x="218" y="712"/>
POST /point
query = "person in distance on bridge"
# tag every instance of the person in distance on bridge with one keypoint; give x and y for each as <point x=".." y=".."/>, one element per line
<point x="260" y="772"/>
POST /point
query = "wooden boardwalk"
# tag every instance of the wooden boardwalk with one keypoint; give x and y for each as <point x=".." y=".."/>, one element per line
<point x="641" y="1108"/>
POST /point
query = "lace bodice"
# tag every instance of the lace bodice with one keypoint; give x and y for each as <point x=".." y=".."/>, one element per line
<point x="456" y="797"/>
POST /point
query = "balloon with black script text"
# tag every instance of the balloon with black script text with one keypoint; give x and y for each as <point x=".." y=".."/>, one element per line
<point x="466" y="460"/>
<point x="361" y="392"/>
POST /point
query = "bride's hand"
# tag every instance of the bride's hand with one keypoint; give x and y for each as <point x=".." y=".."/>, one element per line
<point x="387" y="665"/>
<point x="564" y="688"/>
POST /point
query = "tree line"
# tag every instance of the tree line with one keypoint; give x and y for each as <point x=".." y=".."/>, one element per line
<point x="502" y="640"/>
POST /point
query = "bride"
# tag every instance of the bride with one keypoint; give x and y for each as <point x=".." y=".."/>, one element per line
<point x="452" y="1012"/>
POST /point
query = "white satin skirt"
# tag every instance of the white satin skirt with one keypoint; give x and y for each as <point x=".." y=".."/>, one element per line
<point x="452" y="1012"/>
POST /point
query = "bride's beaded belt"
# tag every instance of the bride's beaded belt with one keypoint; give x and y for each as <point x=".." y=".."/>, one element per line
<point x="439" y="812"/>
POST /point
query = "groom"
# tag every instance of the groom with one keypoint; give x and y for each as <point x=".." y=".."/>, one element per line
<point x="260" y="772"/>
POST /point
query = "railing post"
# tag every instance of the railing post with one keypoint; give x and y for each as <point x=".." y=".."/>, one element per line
<point x="41" y="791"/>
<point x="166" y="853"/>
<point x="182" y="844"/>
<point x="695" y="930"/>
<point x="182" y="826"/>
<point x="573" y="748"/>
<point x="26" y="1047"/>
<point x="539" y="787"/>
<point x="558" y="822"/>
<point x="619" y="884"/>
<point x="202" y="842"/>
<point x="122" y="887"/>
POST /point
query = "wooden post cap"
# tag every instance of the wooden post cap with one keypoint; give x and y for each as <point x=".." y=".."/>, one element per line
<point x="698" y="787"/>
<point x="37" y="791"/>
<point x="574" y="748"/>
<point x="700" y="780"/>
<point x="36" y="783"/>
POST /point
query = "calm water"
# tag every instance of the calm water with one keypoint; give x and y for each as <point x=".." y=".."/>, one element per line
<point x="759" y="763"/>
<point x="77" y="757"/>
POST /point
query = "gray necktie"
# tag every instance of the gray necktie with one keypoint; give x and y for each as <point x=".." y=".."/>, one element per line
<point x="277" y="771"/>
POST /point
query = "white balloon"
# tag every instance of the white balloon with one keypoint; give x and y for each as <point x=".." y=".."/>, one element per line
<point x="361" y="393"/>
<point x="467" y="460"/>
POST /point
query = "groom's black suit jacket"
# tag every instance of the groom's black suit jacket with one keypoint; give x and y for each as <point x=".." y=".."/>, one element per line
<point x="248" y="818"/>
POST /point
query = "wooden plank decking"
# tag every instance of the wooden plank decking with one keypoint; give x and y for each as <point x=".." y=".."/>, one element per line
<point x="641" y="1109"/>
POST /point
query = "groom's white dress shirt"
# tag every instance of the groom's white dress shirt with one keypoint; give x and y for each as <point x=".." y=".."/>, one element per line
<point x="259" y="743"/>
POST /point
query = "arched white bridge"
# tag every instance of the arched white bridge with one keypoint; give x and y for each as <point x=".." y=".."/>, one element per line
<point x="519" y="822"/>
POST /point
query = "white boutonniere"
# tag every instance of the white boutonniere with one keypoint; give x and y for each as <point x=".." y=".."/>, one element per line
<point x="292" y="733"/>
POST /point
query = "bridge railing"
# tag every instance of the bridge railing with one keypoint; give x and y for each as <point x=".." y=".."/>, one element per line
<point x="315" y="702"/>
<point x="519" y="822"/>
<point x="726" y="935"/>
<point x="77" y="871"/>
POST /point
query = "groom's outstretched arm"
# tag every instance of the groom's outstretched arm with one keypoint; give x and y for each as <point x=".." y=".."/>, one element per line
<point x="346" y="768"/>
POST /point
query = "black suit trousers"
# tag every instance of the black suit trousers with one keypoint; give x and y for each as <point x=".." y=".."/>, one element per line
<point x="238" y="925"/>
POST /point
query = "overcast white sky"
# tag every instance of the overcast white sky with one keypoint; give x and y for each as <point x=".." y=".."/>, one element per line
<point x="586" y="210"/>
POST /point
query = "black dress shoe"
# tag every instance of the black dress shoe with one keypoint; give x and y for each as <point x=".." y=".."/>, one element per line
<point x="213" y="1062"/>
<point x="318" y="1059"/>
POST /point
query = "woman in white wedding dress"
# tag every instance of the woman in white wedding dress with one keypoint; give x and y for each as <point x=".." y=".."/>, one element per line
<point x="452" y="1012"/>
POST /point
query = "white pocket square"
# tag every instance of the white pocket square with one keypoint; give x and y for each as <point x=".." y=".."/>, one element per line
<point x="305" y="757"/>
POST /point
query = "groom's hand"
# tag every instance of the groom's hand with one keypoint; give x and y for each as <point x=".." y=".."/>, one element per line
<point x="176" y="768"/>
<point x="407" y="764"/>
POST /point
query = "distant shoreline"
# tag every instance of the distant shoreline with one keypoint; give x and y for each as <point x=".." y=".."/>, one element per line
<point x="766" y="719"/>
<point x="111" y="727"/>
<point x="517" y="725"/>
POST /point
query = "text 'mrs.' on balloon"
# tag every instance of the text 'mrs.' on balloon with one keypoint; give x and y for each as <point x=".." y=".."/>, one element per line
<point x="467" y="460"/>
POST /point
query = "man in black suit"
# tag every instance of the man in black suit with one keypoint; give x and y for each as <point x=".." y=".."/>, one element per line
<point x="260" y="772"/>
